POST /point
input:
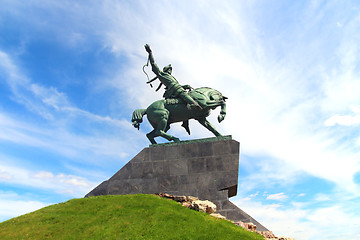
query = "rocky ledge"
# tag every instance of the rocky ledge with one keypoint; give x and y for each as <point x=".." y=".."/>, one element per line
<point x="210" y="208"/>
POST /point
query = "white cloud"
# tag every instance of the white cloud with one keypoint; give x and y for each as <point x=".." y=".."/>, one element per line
<point x="277" y="196"/>
<point x="72" y="185"/>
<point x="335" y="220"/>
<point x="4" y="175"/>
<point x="7" y="67"/>
<point x="62" y="140"/>
<point x="281" y="220"/>
<point x="254" y="195"/>
<point x="73" y="180"/>
<point x="303" y="223"/>
<point x="345" y="120"/>
<point x="59" y="117"/>
<point x="44" y="175"/>
<point x="49" y="96"/>
<point x="13" y="205"/>
<point x="282" y="86"/>
<point x="320" y="197"/>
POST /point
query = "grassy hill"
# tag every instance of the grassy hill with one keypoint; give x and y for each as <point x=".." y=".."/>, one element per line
<point x="120" y="217"/>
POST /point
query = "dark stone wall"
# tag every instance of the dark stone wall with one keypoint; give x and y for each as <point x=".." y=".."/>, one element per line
<point x="205" y="168"/>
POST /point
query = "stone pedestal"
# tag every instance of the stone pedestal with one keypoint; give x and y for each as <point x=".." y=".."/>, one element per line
<point x="204" y="168"/>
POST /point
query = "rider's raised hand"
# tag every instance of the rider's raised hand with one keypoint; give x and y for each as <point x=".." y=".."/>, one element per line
<point x="147" y="48"/>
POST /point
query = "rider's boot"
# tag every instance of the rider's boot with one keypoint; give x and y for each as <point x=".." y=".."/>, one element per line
<point x="191" y="103"/>
<point x="194" y="105"/>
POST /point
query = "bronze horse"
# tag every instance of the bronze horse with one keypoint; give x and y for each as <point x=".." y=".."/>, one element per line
<point x="164" y="112"/>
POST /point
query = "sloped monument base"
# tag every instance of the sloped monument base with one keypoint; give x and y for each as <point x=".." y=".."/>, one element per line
<point x="204" y="168"/>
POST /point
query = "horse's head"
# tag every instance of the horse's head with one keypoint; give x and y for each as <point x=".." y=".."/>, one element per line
<point x="215" y="95"/>
<point x="210" y="99"/>
<point x="217" y="99"/>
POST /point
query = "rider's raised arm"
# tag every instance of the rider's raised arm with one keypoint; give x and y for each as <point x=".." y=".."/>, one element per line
<point x="154" y="66"/>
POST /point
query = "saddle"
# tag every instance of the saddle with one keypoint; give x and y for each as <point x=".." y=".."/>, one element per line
<point x="196" y="95"/>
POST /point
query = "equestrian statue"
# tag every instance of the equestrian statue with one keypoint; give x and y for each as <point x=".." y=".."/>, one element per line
<point x="180" y="103"/>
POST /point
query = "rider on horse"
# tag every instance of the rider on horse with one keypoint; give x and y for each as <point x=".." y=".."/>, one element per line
<point x="172" y="87"/>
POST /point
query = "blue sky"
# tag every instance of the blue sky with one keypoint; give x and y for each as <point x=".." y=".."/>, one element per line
<point x="71" y="75"/>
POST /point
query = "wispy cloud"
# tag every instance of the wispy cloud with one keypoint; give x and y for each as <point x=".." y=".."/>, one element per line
<point x="59" y="117"/>
<point x="345" y="120"/>
<point x="13" y="205"/>
<point x="57" y="183"/>
<point x="5" y="176"/>
<point x="59" y="139"/>
<point x="277" y="196"/>
<point x="290" y="72"/>
<point x="322" y="197"/>
<point x="301" y="222"/>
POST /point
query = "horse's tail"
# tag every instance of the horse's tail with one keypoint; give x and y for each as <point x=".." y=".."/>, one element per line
<point x="137" y="117"/>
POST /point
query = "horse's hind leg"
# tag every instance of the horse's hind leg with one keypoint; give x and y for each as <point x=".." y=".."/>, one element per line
<point x="156" y="133"/>
<point x="163" y="127"/>
<point x="161" y="118"/>
<point x="151" y="136"/>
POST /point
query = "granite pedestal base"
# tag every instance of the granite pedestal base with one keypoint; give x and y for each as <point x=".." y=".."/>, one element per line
<point x="204" y="168"/>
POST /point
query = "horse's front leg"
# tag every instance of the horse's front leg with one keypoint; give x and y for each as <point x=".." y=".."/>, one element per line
<point x="222" y="113"/>
<point x="207" y="124"/>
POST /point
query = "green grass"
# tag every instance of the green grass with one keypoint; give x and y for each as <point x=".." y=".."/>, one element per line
<point x="120" y="217"/>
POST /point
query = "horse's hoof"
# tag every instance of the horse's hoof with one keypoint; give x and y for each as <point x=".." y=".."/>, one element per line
<point x="176" y="140"/>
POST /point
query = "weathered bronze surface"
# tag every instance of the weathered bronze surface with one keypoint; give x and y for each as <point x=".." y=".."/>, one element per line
<point x="181" y="103"/>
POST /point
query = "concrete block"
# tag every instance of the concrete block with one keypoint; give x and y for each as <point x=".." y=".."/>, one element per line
<point x="204" y="168"/>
